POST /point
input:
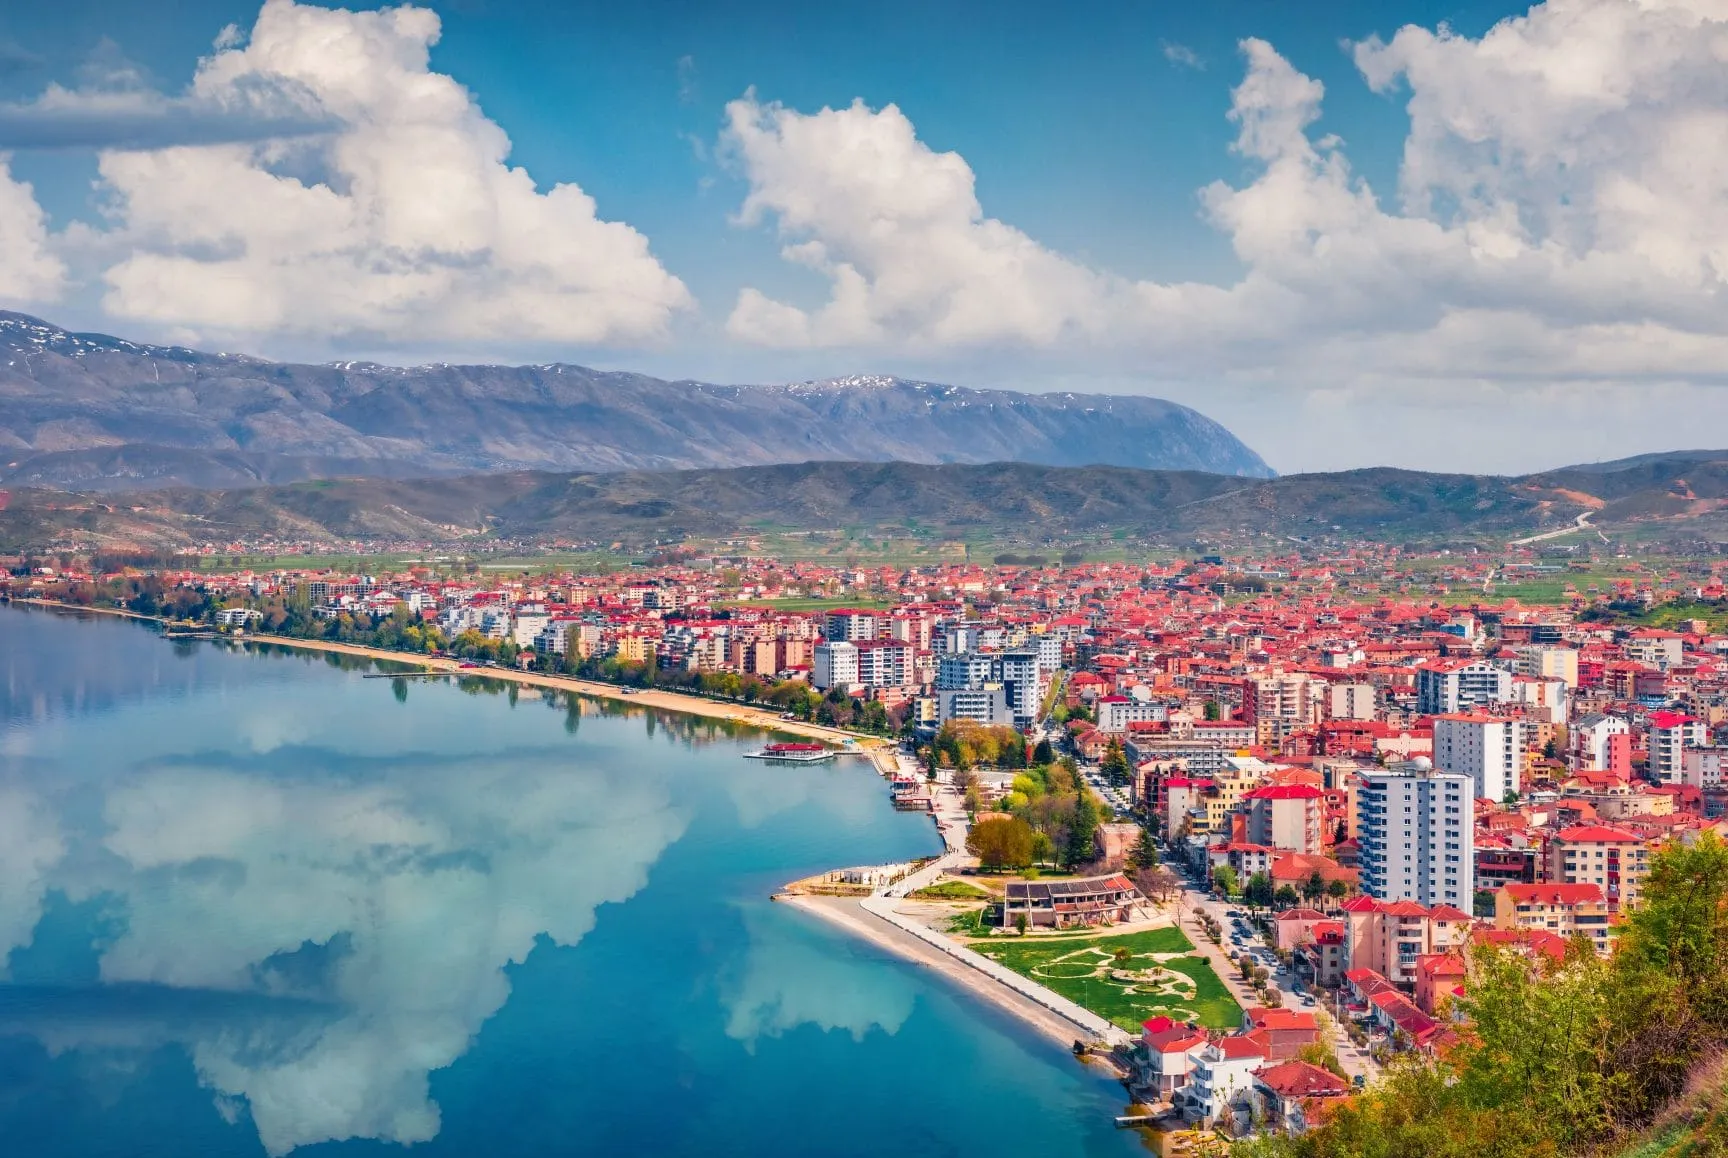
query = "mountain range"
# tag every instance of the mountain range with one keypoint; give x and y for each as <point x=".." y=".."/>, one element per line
<point x="1686" y="496"/>
<point x="96" y="413"/>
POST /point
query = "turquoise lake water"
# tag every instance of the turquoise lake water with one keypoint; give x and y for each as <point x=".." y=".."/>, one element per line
<point x="253" y="903"/>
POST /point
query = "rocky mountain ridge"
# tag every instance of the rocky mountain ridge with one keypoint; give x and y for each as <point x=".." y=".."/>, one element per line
<point x="92" y="412"/>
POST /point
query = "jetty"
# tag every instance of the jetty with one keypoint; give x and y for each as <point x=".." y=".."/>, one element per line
<point x="794" y="753"/>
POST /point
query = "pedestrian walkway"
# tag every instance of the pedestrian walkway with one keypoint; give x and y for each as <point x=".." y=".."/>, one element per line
<point x="1089" y="1026"/>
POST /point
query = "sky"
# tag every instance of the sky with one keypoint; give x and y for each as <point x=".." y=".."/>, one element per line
<point x="1450" y="236"/>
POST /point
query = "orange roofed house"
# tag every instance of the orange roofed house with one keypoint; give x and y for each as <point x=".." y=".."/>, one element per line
<point x="1559" y="909"/>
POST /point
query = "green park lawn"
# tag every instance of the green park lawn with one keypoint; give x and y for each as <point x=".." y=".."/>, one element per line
<point x="1160" y="977"/>
<point x="952" y="891"/>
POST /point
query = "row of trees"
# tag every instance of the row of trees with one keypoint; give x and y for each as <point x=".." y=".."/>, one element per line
<point x="967" y="744"/>
<point x="291" y="615"/>
<point x="1561" y="1057"/>
<point x="1259" y="892"/>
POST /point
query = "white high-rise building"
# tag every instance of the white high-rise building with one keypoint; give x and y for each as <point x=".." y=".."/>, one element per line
<point x="1417" y="835"/>
<point x="834" y="665"/>
<point x="1671" y="733"/>
<point x="1457" y="685"/>
<point x="1025" y="682"/>
<point x="1488" y="749"/>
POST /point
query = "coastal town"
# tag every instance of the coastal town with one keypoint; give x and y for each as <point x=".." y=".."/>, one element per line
<point x="1242" y="829"/>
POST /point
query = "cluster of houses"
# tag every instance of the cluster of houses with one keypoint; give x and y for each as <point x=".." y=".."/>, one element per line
<point x="1248" y="1078"/>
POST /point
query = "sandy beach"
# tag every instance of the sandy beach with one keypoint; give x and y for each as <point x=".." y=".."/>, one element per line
<point x="846" y="913"/>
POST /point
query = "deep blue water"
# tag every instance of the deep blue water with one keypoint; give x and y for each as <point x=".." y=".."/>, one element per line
<point x="251" y="902"/>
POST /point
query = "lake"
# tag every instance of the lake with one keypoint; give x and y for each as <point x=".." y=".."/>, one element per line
<point x="253" y="903"/>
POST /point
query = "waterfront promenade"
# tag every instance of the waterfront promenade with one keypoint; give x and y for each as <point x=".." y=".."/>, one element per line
<point x="878" y="918"/>
<point x="880" y="751"/>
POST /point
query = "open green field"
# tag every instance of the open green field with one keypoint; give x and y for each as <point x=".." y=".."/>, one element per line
<point x="863" y="603"/>
<point x="452" y="563"/>
<point x="1160" y="977"/>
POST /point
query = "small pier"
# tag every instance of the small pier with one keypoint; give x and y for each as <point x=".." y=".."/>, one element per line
<point x="793" y="754"/>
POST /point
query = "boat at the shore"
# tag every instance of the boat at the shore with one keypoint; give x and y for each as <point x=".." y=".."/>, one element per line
<point x="793" y="753"/>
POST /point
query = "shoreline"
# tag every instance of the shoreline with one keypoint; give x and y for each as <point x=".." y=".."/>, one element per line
<point x="849" y="915"/>
<point x="880" y="751"/>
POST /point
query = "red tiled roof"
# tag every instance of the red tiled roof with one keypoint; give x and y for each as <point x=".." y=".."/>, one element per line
<point x="1240" y="1045"/>
<point x="1553" y="894"/>
<point x="1300" y="1079"/>
<point x="1300" y="915"/>
<point x="1276" y="1018"/>
<point x="1284" y="792"/>
<point x="1596" y="833"/>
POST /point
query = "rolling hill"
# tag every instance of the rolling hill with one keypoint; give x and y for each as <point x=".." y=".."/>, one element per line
<point x="1017" y="500"/>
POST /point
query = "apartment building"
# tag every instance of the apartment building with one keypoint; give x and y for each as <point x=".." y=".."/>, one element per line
<point x="1594" y="747"/>
<point x="1390" y="937"/>
<point x="1547" y="663"/>
<point x="850" y="626"/>
<point x="1280" y="703"/>
<point x="1488" y="749"/>
<point x="1352" y="701"/>
<point x="884" y="663"/>
<point x="1671" y="733"/>
<point x="1702" y="767"/>
<point x="835" y="665"/>
<point x="1561" y="909"/>
<point x="1416" y="835"/>
<point x="1447" y="687"/>
<point x="1286" y="816"/>
<point x="1611" y="859"/>
<point x="1115" y="713"/>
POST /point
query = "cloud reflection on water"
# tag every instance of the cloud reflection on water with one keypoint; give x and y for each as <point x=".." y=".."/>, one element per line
<point x="429" y="876"/>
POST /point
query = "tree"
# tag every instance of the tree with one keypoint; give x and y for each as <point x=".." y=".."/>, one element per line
<point x="1314" y="887"/>
<point x="1114" y="766"/>
<point x="1083" y="830"/>
<point x="1337" y="890"/>
<point x="1043" y="753"/>
<point x="1003" y="842"/>
<point x="1286" y="897"/>
<point x="1213" y="711"/>
<point x="1144" y="854"/>
<point x="1224" y="880"/>
<point x="1157" y="883"/>
<point x="1258" y="891"/>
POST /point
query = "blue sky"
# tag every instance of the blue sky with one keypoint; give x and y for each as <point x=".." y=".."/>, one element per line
<point x="1090" y="137"/>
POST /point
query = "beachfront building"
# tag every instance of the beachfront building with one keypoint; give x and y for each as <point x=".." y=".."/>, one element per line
<point x="835" y="666"/>
<point x="1066" y="904"/>
<point x="1165" y="1057"/>
<point x="1222" y="1075"/>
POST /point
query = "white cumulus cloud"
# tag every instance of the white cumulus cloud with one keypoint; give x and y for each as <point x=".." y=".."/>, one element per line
<point x="29" y="269"/>
<point x="404" y="221"/>
<point x="1562" y="219"/>
<point x="898" y="230"/>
